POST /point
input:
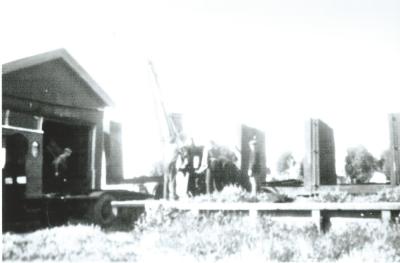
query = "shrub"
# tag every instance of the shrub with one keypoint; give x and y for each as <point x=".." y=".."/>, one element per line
<point x="385" y="195"/>
<point x="388" y="195"/>
<point x="68" y="243"/>
<point x="335" y="196"/>
<point x="360" y="164"/>
<point x="285" y="161"/>
<point x="233" y="193"/>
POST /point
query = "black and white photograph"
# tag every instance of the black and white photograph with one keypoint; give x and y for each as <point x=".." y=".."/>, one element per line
<point x="200" y="131"/>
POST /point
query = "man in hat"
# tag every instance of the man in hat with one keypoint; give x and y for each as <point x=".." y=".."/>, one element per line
<point x="254" y="170"/>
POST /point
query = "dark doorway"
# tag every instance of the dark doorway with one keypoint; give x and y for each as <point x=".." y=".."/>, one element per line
<point x="13" y="192"/>
<point x="63" y="172"/>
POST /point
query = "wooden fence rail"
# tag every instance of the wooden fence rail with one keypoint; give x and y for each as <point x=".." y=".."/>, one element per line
<point x="320" y="213"/>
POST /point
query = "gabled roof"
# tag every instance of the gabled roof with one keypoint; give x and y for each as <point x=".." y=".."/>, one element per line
<point x="61" y="59"/>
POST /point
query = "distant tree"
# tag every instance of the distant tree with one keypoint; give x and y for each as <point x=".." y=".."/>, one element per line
<point x="285" y="162"/>
<point x="360" y="164"/>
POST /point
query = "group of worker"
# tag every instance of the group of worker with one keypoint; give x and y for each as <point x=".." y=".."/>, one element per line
<point x="209" y="168"/>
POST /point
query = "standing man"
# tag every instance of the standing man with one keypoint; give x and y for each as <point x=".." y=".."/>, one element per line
<point x="174" y="161"/>
<point x="169" y="170"/>
<point x="190" y="152"/>
<point x="61" y="167"/>
<point x="213" y="166"/>
<point x="60" y="162"/>
<point x="254" y="170"/>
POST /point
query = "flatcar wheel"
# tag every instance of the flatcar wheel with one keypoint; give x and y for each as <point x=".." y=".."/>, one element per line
<point x="102" y="210"/>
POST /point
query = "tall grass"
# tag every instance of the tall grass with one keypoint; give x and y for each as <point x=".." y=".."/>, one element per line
<point x="218" y="237"/>
<point x="168" y="235"/>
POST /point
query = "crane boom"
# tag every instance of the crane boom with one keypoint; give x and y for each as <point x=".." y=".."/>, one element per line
<point x="173" y="134"/>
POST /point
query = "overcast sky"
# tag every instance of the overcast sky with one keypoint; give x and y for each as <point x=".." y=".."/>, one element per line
<point x="271" y="64"/>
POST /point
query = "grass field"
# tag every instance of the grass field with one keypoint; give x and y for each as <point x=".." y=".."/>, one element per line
<point x="171" y="235"/>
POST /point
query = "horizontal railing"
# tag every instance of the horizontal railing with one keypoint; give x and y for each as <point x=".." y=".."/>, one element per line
<point x="320" y="213"/>
<point x="357" y="206"/>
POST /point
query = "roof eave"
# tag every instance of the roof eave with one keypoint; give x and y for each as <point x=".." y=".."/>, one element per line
<point x="53" y="55"/>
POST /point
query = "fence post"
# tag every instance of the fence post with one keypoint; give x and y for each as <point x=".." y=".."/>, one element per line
<point x="322" y="220"/>
<point x="253" y="214"/>
<point x="386" y="216"/>
<point x="316" y="218"/>
<point x="325" y="221"/>
<point x="195" y="212"/>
